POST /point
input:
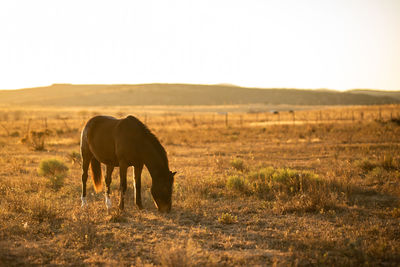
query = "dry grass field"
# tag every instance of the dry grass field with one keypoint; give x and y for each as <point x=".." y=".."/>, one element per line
<point x="310" y="187"/>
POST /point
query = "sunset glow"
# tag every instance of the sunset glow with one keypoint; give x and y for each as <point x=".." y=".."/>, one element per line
<point x="291" y="44"/>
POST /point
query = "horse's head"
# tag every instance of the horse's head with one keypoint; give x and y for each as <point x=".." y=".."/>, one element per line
<point x="161" y="190"/>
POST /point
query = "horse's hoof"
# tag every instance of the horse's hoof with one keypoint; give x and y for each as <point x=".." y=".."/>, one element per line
<point x="108" y="202"/>
<point x="84" y="202"/>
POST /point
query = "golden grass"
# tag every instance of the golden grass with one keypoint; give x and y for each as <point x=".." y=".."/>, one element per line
<point x="324" y="192"/>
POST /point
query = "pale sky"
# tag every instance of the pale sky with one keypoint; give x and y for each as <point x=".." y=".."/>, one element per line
<point x="335" y="44"/>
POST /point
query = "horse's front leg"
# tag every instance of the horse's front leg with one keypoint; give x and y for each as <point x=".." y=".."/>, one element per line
<point x="138" y="184"/>
<point x="123" y="168"/>
<point x="110" y="169"/>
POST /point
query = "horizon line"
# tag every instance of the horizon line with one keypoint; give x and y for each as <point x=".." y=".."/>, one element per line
<point x="201" y="84"/>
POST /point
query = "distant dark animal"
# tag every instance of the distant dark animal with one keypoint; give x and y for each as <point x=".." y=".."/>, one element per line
<point x="123" y="143"/>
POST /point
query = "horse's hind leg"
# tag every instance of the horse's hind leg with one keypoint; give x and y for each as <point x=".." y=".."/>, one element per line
<point x="110" y="169"/>
<point x="85" y="167"/>
<point x="123" y="168"/>
<point x="138" y="184"/>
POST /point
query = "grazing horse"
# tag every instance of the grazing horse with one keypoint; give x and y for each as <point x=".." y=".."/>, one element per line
<point x="123" y="143"/>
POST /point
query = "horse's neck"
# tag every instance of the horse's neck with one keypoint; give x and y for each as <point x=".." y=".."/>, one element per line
<point x="154" y="162"/>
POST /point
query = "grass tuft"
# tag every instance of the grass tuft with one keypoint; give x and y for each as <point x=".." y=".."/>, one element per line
<point x="179" y="255"/>
<point x="75" y="158"/>
<point x="54" y="170"/>
<point x="81" y="231"/>
<point x="289" y="190"/>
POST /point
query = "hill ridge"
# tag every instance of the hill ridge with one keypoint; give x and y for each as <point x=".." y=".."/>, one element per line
<point x="186" y="94"/>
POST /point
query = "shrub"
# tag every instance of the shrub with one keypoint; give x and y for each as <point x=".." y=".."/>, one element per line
<point x="395" y="120"/>
<point x="14" y="134"/>
<point x="381" y="172"/>
<point x="227" y="218"/>
<point x="290" y="190"/>
<point x="37" y="140"/>
<point x="261" y="174"/>
<point x="267" y="183"/>
<point x="389" y="163"/>
<point x="293" y="182"/>
<point x="260" y="182"/>
<point x="365" y="165"/>
<point x="378" y="175"/>
<point x="236" y="183"/>
<point x="238" y="164"/>
<point x="59" y="131"/>
<point x="54" y="170"/>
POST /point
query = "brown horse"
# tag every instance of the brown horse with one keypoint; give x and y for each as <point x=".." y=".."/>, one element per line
<point x="123" y="143"/>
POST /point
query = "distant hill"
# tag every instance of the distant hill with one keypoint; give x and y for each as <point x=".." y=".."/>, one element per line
<point x="184" y="94"/>
<point x="392" y="94"/>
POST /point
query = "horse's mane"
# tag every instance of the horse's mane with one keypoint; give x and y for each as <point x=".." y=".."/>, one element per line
<point x="153" y="139"/>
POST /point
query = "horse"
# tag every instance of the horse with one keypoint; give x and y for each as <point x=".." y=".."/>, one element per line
<point x="123" y="143"/>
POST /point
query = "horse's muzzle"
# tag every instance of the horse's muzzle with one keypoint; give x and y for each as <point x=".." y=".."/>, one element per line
<point x="164" y="209"/>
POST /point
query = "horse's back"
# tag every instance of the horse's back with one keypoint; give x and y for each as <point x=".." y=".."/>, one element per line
<point x="98" y="127"/>
<point x="129" y="139"/>
<point x="128" y="128"/>
<point x="111" y="140"/>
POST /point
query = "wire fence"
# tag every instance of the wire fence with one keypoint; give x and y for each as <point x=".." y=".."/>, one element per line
<point x="73" y="120"/>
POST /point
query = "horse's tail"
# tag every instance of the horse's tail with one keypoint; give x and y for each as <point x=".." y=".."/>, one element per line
<point x="96" y="174"/>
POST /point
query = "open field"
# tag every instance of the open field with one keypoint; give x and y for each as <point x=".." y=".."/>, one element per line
<point x="308" y="187"/>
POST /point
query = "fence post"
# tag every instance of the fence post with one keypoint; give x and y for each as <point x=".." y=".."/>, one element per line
<point x="194" y="120"/>
<point x="28" y="127"/>
<point x="294" y="117"/>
